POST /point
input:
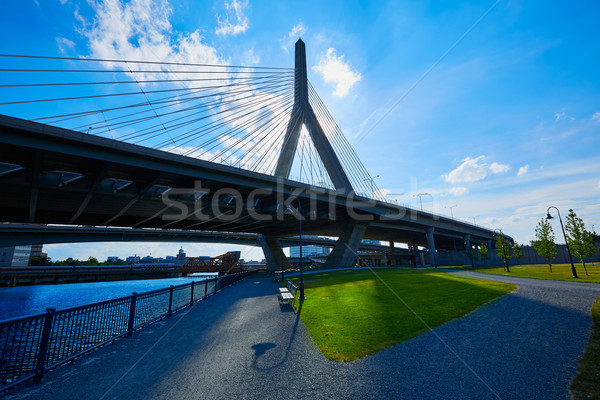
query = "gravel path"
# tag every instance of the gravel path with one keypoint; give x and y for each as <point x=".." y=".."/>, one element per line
<point x="240" y="344"/>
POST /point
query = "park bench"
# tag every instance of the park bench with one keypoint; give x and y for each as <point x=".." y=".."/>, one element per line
<point x="288" y="293"/>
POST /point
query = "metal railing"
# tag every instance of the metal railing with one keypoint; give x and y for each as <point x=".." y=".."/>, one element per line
<point x="31" y="345"/>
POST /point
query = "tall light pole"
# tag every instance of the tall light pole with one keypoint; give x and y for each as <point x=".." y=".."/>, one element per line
<point x="420" y="195"/>
<point x="548" y="216"/>
<point x="301" y="298"/>
<point x="451" y="207"/>
<point x="504" y="244"/>
<point x="372" y="182"/>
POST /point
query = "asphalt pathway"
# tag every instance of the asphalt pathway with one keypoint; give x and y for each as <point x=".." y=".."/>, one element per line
<point x="241" y="344"/>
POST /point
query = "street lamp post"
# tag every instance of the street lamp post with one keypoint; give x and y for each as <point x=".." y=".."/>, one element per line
<point x="301" y="298"/>
<point x="548" y="216"/>
<point x="503" y="248"/>
<point x="372" y="182"/>
<point x="420" y="195"/>
<point x="451" y="207"/>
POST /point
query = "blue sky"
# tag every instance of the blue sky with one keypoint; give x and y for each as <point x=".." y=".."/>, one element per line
<point x="496" y="118"/>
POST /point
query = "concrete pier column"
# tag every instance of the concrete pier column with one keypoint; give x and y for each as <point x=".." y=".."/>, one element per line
<point x="392" y="259"/>
<point x="343" y="254"/>
<point x="274" y="255"/>
<point x="431" y="246"/>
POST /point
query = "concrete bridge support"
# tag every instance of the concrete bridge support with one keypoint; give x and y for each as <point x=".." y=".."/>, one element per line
<point x="431" y="246"/>
<point x="274" y="255"/>
<point x="344" y="252"/>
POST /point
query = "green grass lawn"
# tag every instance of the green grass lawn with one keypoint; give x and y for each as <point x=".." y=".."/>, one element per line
<point x="586" y="385"/>
<point x="561" y="272"/>
<point x="353" y="313"/>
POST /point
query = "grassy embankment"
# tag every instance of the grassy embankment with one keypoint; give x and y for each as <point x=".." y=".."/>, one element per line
<point x="586" y="384"/>
<point x="353" y="313"/>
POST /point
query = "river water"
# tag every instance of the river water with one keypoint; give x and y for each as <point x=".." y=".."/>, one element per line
<point x="27" y="300"/>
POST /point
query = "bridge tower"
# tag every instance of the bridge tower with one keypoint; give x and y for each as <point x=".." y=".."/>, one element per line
<point x="344" y="252"/>
<point x="304" y="115"/>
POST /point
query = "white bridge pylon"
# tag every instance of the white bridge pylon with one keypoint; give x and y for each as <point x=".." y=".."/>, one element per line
<point x="303" y="115"/>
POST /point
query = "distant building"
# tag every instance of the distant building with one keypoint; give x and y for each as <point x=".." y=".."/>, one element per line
<point x="132" y="259"/>
<point x="15" y="256"/>
<point x="309" y="251"/>
<point x="36" y="251"/>
<point x="112" y="259"/>
<point x="180" y="257"/>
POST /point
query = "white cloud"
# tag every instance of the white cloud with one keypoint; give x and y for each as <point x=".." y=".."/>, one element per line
<point x="141" y="30"/>
<point x="496" y="168"/>
<point x="64" y="44"/>
<point x="523" y="170"/>
<point x="138" y="30"/>
<point x="235" y="11"/>
<point x="335" y="70"/>
<point x="598" y="185"/>
<point x="596" y="116"/>
<point x="473" y="170"/>
<point x="287" y="42"/>
<point x="559" y="116"/>
<point x="379" y="193"/>
<point x="251" y="58"/>
<point x="459" y="190"/>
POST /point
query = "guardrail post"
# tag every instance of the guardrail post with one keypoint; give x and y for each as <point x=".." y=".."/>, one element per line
<point x="40" y="366"/>
<point x="131" y="314"/>
<point x="192" y="294"/>
<point x="205" y="288"/>
<point x="170" y="301"/>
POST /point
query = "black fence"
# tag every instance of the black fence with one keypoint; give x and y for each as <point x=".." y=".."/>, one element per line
<point x="31" y="345"/>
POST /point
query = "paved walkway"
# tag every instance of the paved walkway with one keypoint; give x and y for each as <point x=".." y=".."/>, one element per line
<point x="240" y="344"/>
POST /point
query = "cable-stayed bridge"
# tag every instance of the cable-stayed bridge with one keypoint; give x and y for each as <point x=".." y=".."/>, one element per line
<point x="194" y="147"/>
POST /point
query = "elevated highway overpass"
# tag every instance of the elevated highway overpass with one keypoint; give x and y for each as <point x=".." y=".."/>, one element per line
<point x="56" y="176"/>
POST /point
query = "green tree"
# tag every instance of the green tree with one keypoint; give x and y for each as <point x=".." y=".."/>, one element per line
<point x="517" y="251"/>
<point x="544" y="244"/>
<point x="503" y="247"/>
<point x="581" y="241"/>
<point x="92" y="261"/>
<point x="483" y="250"/>
<point x="40" y="261"/>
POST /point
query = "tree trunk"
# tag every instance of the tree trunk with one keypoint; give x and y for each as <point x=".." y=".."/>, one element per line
<point x="550" y="265"/>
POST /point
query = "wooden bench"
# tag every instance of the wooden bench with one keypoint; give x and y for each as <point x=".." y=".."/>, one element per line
<point x="288" y="294"/>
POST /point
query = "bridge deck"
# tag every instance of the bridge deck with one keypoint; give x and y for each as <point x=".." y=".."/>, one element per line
<point x="72" y="178"/>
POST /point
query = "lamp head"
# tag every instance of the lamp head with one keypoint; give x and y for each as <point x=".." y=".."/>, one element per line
<point x="549" y="216"/>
